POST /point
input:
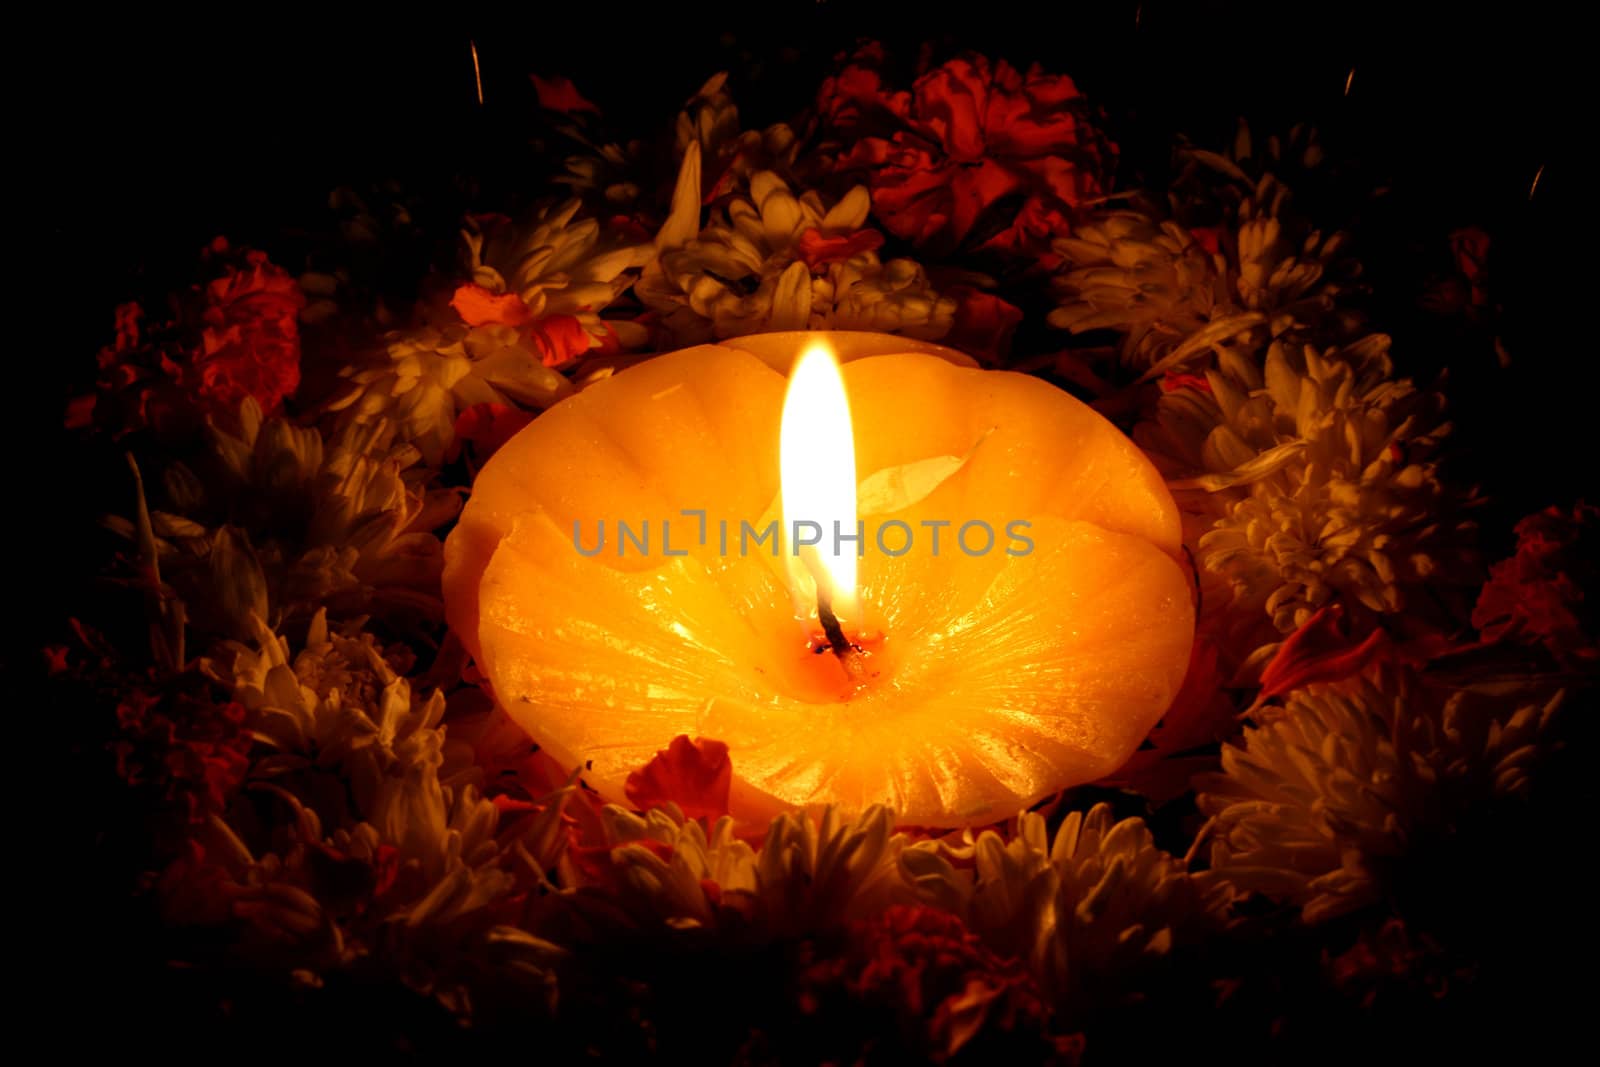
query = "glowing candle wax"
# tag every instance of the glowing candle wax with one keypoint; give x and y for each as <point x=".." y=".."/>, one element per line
<point x="970" y="680"/>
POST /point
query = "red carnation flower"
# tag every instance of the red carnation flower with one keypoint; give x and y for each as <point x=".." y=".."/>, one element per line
<point x="189" y="750"/>
<point x="234" y="337"/>
<point x="1540" y="596"/>
<point x="250" y="342"/>
<point x="983" y="156"/>
<point x="136" y="386"/>
<point x="857" y="88"/>
<point x="1395" y="964"/>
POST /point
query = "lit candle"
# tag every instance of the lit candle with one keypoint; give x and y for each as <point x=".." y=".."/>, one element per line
<point x="817" y="461"/>
<point x="658" y="556"/>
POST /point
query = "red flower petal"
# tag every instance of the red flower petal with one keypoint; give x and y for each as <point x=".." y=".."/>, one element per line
<point x="594" y="861"/>
<point x="952" y="102"/>
<point x="1173" y="380"/>
<point x="560" y="339"/>
<point x="974" y="147"/>
<point x="386" y="861"/>
<point x="1470" y="246"/>
<point x="485" y="427"/>
<point x="695" y="775"/>
<point x="80" y="412"/>
<point x="610" y="344"/>
<point x="631" y="228"/>
<point x="477" y="306"/>
<point x="1544" y="594"/>
<point x="1319" y="651"/>
<point x="250" y="343"/>
<point x="983" y="323"/>
<point x="818" y="249"/>
<point x="1207" y="237"/>
<point x="856" y="88"/>
<point x="559" y="94"/>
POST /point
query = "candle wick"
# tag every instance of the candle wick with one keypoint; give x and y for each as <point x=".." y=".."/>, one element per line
<point x="837" y="641"/>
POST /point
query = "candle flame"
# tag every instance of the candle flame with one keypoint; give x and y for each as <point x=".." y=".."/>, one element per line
<point x="817" y="465"/>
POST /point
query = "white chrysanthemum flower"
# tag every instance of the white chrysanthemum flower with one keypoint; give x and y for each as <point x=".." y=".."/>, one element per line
<point x="710" y="121"/>
<point x="771" y="260"/>
<point x="604" y="174"/>
<point x="1153" y="282"/>
<point x="348" y="896"/>
<point x="1086" y="911"/>
<point x="817" y="873"/>
<point x="405" y="807"/>
<point x="1228" y="427"/>
<point x="282" y="523"/>
<point x="809" y="874"/>
<point x="534" y="304"/>
<point x="339" y="703"/>
<point x="662" y="862"/>
<point x="863" y="293"/>
<point x="431" y="375"/>
<point x="555" y="262"/>
<point x="1320" y="800"/>
<point x="1179" y="296"/>
<point x="1329" y="486"/>
<point x="433" y="846"/>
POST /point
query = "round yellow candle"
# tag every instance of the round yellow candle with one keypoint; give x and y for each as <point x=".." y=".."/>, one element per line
<point x="989" y="679"/>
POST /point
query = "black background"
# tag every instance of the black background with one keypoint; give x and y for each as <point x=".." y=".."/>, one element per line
<point x="148" y="134"/>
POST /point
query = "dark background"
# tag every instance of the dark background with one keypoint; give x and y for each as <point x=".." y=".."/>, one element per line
<point x="150" y="135"/>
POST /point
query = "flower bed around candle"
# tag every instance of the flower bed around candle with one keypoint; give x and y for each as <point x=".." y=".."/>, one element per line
<point x="520" y="817"/>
